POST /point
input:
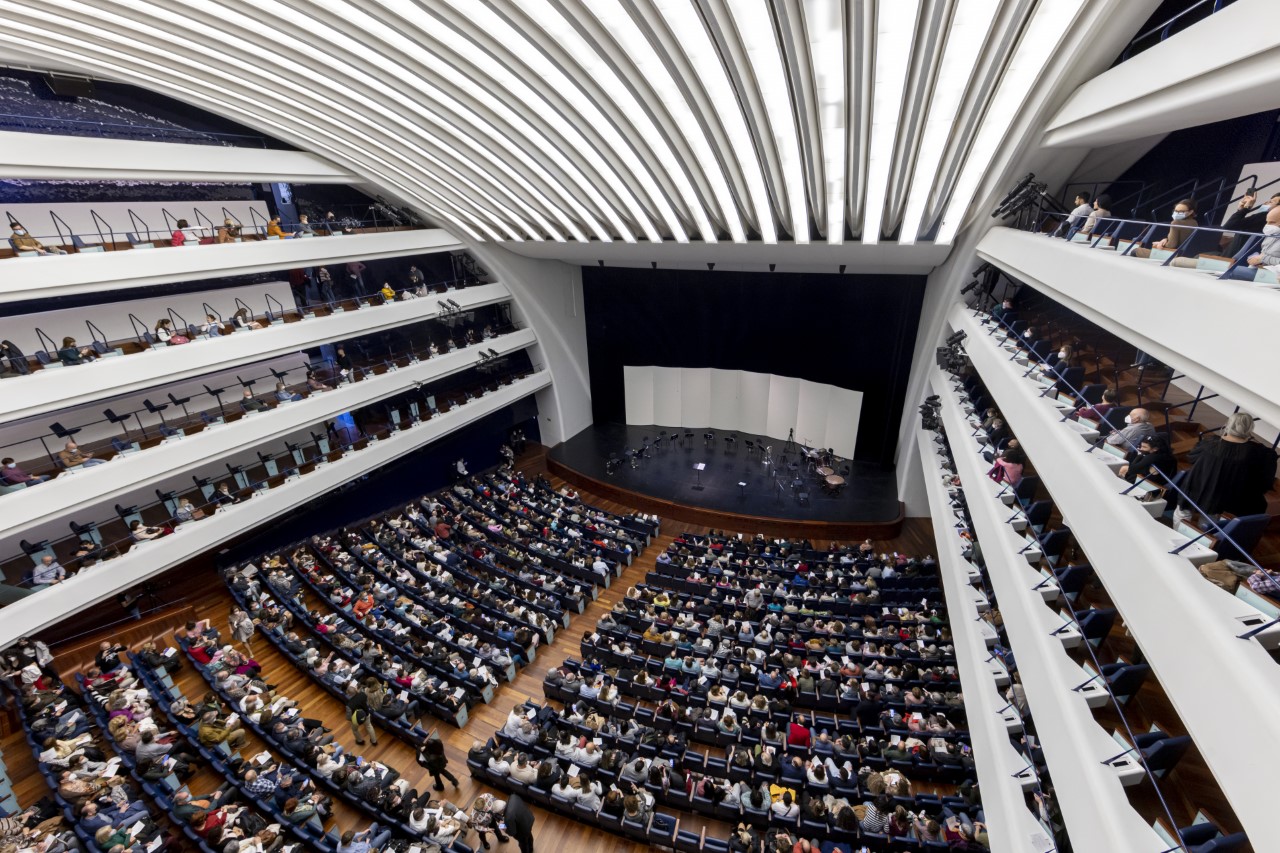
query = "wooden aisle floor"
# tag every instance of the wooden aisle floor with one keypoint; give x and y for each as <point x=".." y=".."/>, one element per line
<point x="551" y="831"/>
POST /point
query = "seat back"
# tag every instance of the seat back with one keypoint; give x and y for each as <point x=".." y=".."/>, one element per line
<point x="1244" y="531"/>
<point x="1095" y="624"/>
<point x="1092" y="393"/>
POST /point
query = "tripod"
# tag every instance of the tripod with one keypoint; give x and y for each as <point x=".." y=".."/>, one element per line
<point x="790" y="446"/>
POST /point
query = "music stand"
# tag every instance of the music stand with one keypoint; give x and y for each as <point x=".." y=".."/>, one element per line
<point x="697" y="473"/>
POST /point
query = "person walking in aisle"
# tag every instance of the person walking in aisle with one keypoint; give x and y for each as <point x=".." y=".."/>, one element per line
<point x="431" y="756"/>
<point x="242" y="628"/>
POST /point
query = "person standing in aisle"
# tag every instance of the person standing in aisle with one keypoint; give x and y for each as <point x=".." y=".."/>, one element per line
<point x="431" y="756"/>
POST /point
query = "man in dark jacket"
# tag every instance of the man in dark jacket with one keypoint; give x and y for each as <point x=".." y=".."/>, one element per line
<point x="519" y="822"/>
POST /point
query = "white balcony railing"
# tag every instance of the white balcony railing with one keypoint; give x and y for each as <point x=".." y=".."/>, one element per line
<point x="38" y="611"/>
<point x="54" y="390"/>
<point x="1186" y="627"/>
<point x="59" y="275"/>
<point x="75" y="491"/>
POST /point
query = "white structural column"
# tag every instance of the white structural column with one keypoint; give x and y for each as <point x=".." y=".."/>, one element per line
<point x="1225" y="66"/>
<point x="1173" y="314"/>
<point x="49" y="157"/>
<point x="46" y="391"/>
<point x="43" y="277"/>
<point x="1094" y="806"/>
<point x="43" y="609"/>
<point x="1186" y="627"/>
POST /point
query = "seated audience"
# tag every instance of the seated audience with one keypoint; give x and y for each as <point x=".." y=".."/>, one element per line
<point x="165" y="334"/>
<point x="72" y="456"/>
<point x="12" y="475"/>
<point x="1248" y="219"/>
<point x="1151" y="460"/>
<point x="250" y="403"/>
<point x="70" y="354"/>
<point x="1229" y="474"/>
<point x="1139" y="427"/>
<point x="1101" y="211"/>
<point x="22" y="241"/>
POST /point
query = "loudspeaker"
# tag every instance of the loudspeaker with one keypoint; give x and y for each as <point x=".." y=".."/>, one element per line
<point x="69" y="87"/>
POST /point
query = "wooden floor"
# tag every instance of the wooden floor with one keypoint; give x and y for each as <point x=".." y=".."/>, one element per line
<point x="551" y="832"/>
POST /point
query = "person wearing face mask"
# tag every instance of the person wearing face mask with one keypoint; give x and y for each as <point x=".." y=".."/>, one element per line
<point x="12" y="475"/>
<point x="22" y="241"/>
<point x="1139" y="428"/>
<point x="1180" y="229"/>
<point x="1268" y="255"/>
<point x="1248" y="219"/>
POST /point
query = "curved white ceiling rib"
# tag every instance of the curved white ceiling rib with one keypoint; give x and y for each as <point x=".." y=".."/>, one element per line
<point x="611" y="120"/>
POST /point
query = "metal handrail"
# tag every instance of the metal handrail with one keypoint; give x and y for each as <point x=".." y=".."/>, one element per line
<point x="279" y="306"/>
<point x="254" y="216"/>
<point x="134" y="220"/>
<point x="98" y="334"/>
<point x="1183" y="496"/>
<point x="138" y="324"/>
<point x="50" y="346"/>
<point x="213" y="229"/>
<point x="209" y="310"/>
<point x="179" y="322"/>
<point x="99" y="222"/>
<point x="170" y="221"/>
<point x="58" y="224"/>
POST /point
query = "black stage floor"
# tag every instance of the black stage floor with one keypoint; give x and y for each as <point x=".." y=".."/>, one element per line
<point x="870" y="493"/>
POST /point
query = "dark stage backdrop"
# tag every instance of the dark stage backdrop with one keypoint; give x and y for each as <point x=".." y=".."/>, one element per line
<point x="852" y="331"/>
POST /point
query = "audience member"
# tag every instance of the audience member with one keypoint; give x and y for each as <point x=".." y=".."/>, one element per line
<point x="71" y="456"/>
<point x="227" y="232"/>
<point x="1101" y="211"/>
<point x="304" y="227"/>
<point x="24" y="242"/>
<point x="47" y="573"/>
<point x="1080" y="213"/>
<point x="71" y="355"/>
<point x="274" y="230"/>
<point x="1180" y="229"/>
<point x="1152" y="459"/>
<point x="242" y="319"/>
<point x="165" y="334"/>
<point x="251" y="404"/>
<point x="211" y="326"/>
<point x="1249" y="218"/>
<point x="1228" y="474"/>
<point x="1139" y="427"/>
<point x="12" y="475"/>
<point x="1095" y="412"/>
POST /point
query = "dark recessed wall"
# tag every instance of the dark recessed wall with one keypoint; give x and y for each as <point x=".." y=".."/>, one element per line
<point x="852" y="331"/>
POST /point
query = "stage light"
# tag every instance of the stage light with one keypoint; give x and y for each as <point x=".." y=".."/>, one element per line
<point x="710" y="266"/>
<point x="772" y="267"/>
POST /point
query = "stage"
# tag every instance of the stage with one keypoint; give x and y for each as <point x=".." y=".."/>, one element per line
<point x="666" y="483"/>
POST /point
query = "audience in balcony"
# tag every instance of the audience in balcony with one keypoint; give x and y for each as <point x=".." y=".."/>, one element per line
<point x="13" y="475"/>
<point x="244" y="320"/>
<point x="251" y="403"/>
<point x="1248" y="219"/>
<point x="142" y="532"/>
<point x="47" y="573"/>
<point x="184" y="234"/>
<point x="1096" y="411"/>
<point x="304" y="227"/>
<point x="284" y="395"/>
<point x="22" y="241"/>
<point x="1002" y="311"/>
<point x="72" y="456"/>
<point x="227" y="232"/>
<point x="1101" y="211"/>
<point x="1080" y="213"/>
<point x="70" y="354"/>
<point x="274" y="229"/>
<point x="1269" y="252"/>
<point x="1138" y="427"/>
<point x="165" y="334"/>
<point x="1180" y="229"/>
<point x="1152" y="460"/>
<point x="211" y="326"/>
<point x="1231" y="474"/>
<point x="1008" y="466"/>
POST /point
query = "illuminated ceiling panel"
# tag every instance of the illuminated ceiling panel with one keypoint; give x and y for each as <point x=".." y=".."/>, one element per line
<point x="688" y="121"/>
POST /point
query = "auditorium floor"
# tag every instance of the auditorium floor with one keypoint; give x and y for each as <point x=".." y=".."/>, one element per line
<point x="552" y="832"/>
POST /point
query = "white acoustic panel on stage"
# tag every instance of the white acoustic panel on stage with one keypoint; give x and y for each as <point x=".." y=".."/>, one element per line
<point x="726" y="401"/>
<point x="754" y="404"/>
<point x="784" y="398"/>
<point x="811" y="413"/>
<point x="695" y="394"/>
<point x="754" y="407"/>
<point x="637" y="388"/>
<point x="842" y="421"/>
<point x="667" y="402"/>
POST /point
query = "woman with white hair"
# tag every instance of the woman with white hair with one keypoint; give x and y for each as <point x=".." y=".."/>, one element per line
<point x="1228" y="474"/>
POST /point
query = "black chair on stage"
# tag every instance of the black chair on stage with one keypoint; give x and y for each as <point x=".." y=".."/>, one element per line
<point x="730" y="444"/>
<point x="802" y="498"/>
<point x="644" y="446"/>
<point x="611" y="464"/>
<point x="688" y="436"/>
<point x="751" y="446"/>
<point x="708" y="439"/>
<point x="634" y="456"/>
<point x="660" y="440"/>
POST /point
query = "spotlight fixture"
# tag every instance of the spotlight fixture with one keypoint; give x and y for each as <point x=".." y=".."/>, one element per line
<point x="772" y="267"/>
<point x="956" y="338"/>
<point x="710" y="266"/>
